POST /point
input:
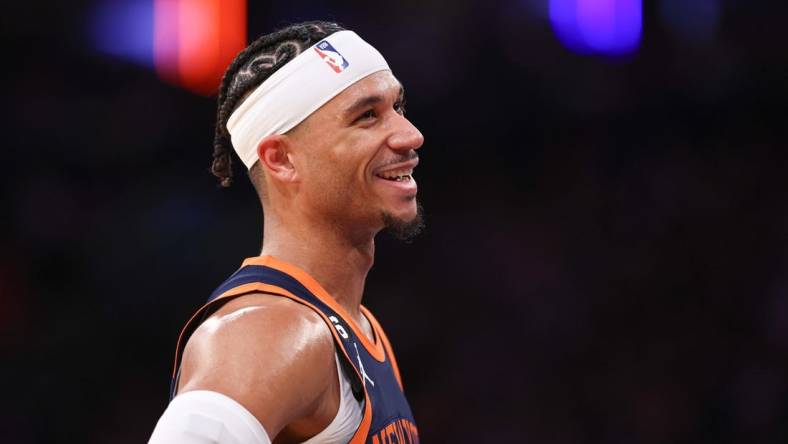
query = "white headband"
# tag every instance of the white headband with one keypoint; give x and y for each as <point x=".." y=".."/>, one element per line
<point x="299" y="88"/>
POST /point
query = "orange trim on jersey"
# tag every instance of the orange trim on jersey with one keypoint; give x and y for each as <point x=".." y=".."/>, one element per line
<point x="375" y="349"/>
<point x="379" y="333"/>
<point x="366" y="421"/>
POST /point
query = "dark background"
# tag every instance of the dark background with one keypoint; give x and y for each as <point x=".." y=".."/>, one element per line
<point x="605" y="260"/>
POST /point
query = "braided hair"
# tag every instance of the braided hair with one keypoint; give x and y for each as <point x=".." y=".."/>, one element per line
<point x="248" y="70"/>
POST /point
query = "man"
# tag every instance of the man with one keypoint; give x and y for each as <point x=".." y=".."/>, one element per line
<point x="284" y="351"/>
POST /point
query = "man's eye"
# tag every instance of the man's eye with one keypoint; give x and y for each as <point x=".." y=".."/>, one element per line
<point x="367" y="115"/>
<point x="399" y="107"/>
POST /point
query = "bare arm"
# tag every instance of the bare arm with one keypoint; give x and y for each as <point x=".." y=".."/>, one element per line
<point x="272" y="355"/>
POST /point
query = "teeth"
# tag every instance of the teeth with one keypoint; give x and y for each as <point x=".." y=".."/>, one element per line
<point x="397" y="175"/>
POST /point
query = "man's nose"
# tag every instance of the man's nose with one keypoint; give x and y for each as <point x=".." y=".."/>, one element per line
<point x="406" y="136"/>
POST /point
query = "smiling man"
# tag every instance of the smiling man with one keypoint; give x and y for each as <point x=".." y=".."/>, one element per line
<point x="284" y="351"/>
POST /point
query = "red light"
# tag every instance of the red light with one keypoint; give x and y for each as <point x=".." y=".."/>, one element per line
<point x="195" y="40"/>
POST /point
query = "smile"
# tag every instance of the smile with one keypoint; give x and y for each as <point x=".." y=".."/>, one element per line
<point x="397" y="175"/>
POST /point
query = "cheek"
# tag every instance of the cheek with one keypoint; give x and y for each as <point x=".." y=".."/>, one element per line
<point x="334" y="179"/>
<point x="338" y="173"/>
<point x="348" y="165"/>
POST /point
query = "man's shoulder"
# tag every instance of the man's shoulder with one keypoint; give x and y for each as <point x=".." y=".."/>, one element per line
<point x="261" y="322"/>
<point x="263" y="351"/>
<point x="260" y="312"/>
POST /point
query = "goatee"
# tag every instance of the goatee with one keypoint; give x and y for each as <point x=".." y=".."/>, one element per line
<point x="405" y="230"/>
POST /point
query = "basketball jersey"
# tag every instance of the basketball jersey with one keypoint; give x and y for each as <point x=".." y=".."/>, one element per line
<point x="375" y="378"/>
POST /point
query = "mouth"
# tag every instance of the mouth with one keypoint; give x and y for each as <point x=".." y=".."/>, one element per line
<point x="398" y="179"/>
<point x="402" y="175"/>
<point x="401" y="172"/>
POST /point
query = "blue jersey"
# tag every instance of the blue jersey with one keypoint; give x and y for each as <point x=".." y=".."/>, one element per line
<point x="373" y="369"/>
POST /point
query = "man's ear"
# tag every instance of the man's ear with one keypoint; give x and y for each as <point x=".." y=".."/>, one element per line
<point x="274" y="154"/>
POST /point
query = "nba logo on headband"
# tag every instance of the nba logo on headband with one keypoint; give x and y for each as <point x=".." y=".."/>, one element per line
<point x="331" y="56"/>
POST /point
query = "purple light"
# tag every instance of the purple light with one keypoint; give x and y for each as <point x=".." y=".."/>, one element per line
<point x="124" y="29"/>
<point x="604" y="27"/>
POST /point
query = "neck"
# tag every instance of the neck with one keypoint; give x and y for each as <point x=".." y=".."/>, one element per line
<point x="340" y="264"/>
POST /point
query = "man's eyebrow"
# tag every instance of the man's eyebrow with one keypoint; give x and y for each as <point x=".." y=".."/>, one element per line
<point x="364" y="102"/>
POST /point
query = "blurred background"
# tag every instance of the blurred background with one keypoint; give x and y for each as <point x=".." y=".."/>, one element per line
<point x="605" y="257"/>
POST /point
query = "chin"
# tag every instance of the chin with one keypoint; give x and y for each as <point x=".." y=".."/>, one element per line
<point x="402" y="213"/>
<point x="404" y="224"/>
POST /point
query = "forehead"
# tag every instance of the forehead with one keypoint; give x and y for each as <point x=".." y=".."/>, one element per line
<point x="381" y="83"/>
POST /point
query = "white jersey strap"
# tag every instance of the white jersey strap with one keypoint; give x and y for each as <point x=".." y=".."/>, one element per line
<point x="206" y="417"/>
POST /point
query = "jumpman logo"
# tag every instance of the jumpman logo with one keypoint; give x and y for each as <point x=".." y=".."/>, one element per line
<point x="361" y="367"/>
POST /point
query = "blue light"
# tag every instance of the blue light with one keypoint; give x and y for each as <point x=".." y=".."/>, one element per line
<point x="601" y="27"/>
<point x="124" y="29"/>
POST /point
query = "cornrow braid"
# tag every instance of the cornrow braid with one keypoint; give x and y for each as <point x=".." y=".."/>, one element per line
<point x="248" y="70"/>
